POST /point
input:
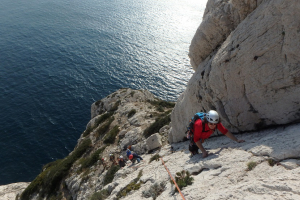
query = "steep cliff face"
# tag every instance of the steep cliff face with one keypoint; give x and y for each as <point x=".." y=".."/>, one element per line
<point x="266" y="166"/>
<point x="219" y="20"/>
<point x="251" y="74"/>
<point x="126" y="117"/>
<point x="246" y="60"/>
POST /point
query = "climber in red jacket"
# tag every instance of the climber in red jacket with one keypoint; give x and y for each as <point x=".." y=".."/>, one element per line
<point x="211" y="122"/>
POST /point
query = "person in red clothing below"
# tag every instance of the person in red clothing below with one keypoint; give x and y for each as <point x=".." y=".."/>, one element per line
<point x="211" y="122"/>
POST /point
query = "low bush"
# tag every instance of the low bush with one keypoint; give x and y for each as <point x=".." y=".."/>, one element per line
<point x="160" y="108"/>
<point x="47" y="182"/>
<point x="131" y="113"/>
<point x="131" y="186"/>
<point x="111" y="135"/>
<point x="103" y="194"/>
<point x="155" y="157"/>
<point x="98" y="102"/>
<point x="158" y="124"/>
<point x="162" y="103"/>
<point x="115" y="106"/>
<point x="103" y="117"/>
<point x="104" y="128"/>
<point x="271" y="162"/>
<point x="114" y="94"/>
<point x="132" y="93"/>
<point x="183" y="179"/>
<point x="251" y="165"/>
<point x="155" y="190"/>
<point x="90" y="161"/>
<point x="110" y="174"/>
<point x="88" y="130"/>
<point x="134" y="185"/>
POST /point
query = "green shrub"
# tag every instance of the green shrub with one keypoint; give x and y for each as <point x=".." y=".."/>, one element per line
<point x="154" y="191"/>
<point x="183" y="179"/>
<point x="134" y="185"/>
<point x="131" y="186"/>
<point x="103" y="194"/>
<point x="251" y="165"/>
<point x="158" y="124"/>
<point x="140" y="174"/>
<point x="162" y="103"/>
<point x="271" y="162"/>
<point x="102" y="130"/>
<point x="90" y="161"/>
<point x="160" y="108"/>
<point x="103" y="117"/>
<point x="131" y="113"/>
<point x="111" y="135"/>
<point x="110" y="174"/>
<point x="132" y="93"/>
<point x="98" y="102"/>
<point x="88" y="130"/>
<point x="51" y="164"/>
<point x="47" y="182"/>
<point x="155" y="157"/>
<point x="114" y="94"/>
<point x="115" y="106"/>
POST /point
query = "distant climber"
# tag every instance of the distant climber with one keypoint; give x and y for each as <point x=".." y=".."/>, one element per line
<point x="128" y="151"/>
<point x="103" y="163"/>
<point x="211" y="122"/>
<point x="112" y="159"/>
<point x="134" y="157"/>
<point x="122" y="162"/>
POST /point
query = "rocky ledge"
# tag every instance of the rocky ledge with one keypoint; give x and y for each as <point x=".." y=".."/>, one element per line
<point x="266" y="166"/>
<point x="11" y="191"/>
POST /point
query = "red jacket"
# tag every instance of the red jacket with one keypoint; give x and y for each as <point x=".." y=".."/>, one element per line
<point x="198" y="134"/>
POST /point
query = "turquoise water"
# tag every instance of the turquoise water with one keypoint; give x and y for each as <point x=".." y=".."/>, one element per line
<point x="58" y="57"/>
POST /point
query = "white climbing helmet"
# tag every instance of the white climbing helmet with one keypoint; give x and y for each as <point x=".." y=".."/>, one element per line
<point x="121" y="157"/>
<point x="212" y="117"/>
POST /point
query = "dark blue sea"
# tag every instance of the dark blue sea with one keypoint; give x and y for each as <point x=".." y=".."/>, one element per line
<point x="57" y="57"/>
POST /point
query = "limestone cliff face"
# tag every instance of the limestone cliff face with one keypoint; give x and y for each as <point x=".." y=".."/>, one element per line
<point x="266" y="166"/>
<point x="11" y="191"/>
<point x="126" y="117"/>
<point x="247" y="66"/>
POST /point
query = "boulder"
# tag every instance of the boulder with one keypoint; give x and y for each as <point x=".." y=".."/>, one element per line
<point x="154" y="141"/>
<point x="140" y="148"/>
<point x="253" y="79"/>
<point x="131" y="137"/>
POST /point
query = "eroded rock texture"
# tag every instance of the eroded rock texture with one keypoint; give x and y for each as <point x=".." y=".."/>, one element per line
<point x="253" y="78"/>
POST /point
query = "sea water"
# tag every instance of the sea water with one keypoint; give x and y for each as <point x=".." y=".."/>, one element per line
<point x="57" y="57"/>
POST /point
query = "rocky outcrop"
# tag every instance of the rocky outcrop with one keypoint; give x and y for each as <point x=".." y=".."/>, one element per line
<point x="126" y="117"/>
<point x="266" y="166"/>
<point x="154" y="141"/>
<point x="219" y="20"/>
<point x="252" y="79"/>
<point x="11" y="191"/>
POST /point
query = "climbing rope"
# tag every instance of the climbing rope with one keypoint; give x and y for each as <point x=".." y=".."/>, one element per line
<point x="172" y="179"/>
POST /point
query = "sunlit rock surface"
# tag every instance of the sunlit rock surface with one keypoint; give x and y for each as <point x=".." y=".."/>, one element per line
<point x="253" y="78"/>
<point x="10" y="191"/>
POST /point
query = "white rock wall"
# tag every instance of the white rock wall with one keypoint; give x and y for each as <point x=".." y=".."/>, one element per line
<point x="253" y="79"/>
<point x="10" y="191"/>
